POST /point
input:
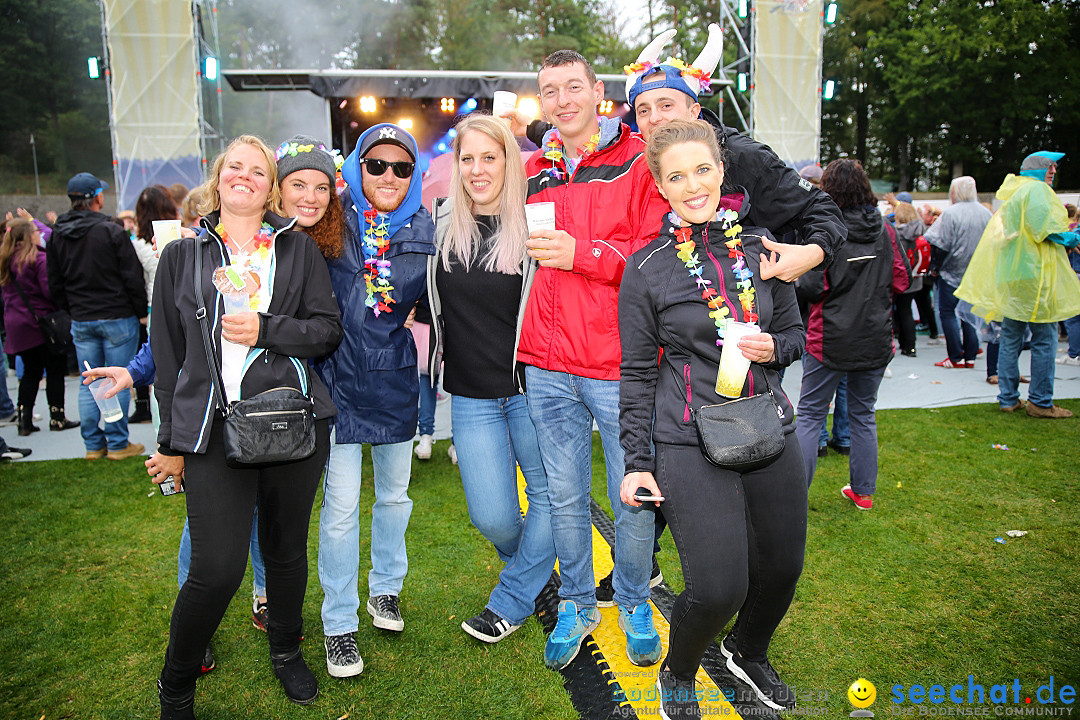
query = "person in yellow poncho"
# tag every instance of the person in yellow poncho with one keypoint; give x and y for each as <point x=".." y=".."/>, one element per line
<point x="1020" y="276"/>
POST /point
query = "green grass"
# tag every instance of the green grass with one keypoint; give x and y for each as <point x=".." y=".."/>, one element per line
<point x="915" y="591"/>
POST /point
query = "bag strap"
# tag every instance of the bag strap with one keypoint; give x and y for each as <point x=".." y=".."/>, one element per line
<point x="208" y="341"/>
<point x="25" y="301"/>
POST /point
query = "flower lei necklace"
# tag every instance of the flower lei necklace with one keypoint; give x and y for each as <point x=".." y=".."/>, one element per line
<point x="263" y="238"/>
<point x="555" y="152"/>
<point x="376" y="268"/>
<point x="718" y="302"/>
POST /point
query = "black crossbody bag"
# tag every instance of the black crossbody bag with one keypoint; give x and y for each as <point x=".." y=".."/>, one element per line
<point x="276" y="426"/>
<point x="56" y="326"/>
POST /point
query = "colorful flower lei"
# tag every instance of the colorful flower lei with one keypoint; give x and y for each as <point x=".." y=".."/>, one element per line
<point x="703" y="79"/>
<point x="264" y="238"/>
<point x="717" y="301"/>
<point x="376" y="267"/>
<point x="555" y="150"/>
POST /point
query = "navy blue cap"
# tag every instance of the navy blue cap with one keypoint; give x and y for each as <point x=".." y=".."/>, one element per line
<point x="85" y="185"/>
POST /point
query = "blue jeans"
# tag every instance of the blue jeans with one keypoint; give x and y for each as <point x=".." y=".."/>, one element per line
<point x="493" y="437"/>
<point x="7" y="408"/>
<point x="818" y="386"/>
<point x="841" y="433"/>
<point x="563" y="408"/>
<point x="339" y="530"/>
<point x="961" y="338"/>
<point x="104" y="343"/>
<point x="258" y="569"/>
<point x="428" y="393"/>
<point x="1043" y="349"/>
<point x="1072" y="327"/>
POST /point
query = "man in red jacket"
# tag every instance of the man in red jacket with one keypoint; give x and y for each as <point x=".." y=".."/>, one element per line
<point x="606" y="206"/>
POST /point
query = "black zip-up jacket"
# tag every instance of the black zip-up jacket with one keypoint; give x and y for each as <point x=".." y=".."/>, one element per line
<point x="660" y="306"/>
<point x="302" y="321"/>
<point x="783" y="201"/>
<point x="93" y="270"/>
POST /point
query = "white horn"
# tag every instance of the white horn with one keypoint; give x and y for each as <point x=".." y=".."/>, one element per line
<point x="650" y="53"/>
<point x="713" y="50"/>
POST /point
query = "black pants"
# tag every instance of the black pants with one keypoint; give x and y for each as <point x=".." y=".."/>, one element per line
<point x="904" y="320"/>
<point x="741" y="540"/>
<point x="925" y="303"/>
<point x="37" y="361"/>
<point x="220" y="503"/>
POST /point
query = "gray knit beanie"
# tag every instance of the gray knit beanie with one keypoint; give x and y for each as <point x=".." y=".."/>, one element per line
<point x="302" y="152"/>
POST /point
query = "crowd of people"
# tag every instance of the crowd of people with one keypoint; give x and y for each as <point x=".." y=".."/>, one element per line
<point x="614" y="314"/>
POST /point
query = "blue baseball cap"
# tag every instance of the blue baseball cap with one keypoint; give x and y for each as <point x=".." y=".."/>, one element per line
<point x="84" y="185"/>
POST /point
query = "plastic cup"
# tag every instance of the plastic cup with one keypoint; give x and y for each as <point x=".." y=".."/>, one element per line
<point x="540" y="216"/>
<point x="165" y="231"/>
<point x="731" y="376"/>
<point x="503" y="101"/>
<point x="236" y="302"/>
<point x="109" y="407"/>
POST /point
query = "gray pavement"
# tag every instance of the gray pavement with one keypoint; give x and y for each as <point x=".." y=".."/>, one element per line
<point x="914" y="383"/>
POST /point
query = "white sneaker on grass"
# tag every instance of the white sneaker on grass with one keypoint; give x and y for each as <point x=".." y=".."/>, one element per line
<point x="423" y="448"/>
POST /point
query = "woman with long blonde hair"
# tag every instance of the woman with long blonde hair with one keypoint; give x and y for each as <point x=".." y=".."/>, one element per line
<point x="478" y="283"/>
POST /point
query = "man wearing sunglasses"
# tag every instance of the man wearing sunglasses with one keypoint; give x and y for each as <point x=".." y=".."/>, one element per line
<point x="372" y="377"/>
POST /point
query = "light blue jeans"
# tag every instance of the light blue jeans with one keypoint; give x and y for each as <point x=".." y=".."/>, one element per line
<point x="1043" y="349"/>
<point x="563" y="408"/>
<point x="104" y="343"/>
<point x="339" y="530"/>
<point x="258" y="569"/>
<point x="494" y="436"/>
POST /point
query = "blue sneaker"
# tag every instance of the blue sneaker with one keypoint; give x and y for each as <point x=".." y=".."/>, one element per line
<point x="565" y="640"/>
<point x="642" y="640"/>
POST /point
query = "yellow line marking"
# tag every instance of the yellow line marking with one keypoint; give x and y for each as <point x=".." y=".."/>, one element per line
<point x="609" y="648"/>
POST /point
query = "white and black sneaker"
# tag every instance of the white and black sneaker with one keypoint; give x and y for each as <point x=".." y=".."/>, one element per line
<point x="384" y="612"/>
<point x="763" y="680"/>
<point x="488" y="627"/>
<point x="727" y="647"/>
<point x="342" y="658"/>
<point x="678" y="698"/>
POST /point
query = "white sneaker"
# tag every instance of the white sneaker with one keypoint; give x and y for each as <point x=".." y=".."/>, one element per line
<point x="423" y="448"/>
<point x="1066" y="360"/>
<point x="935" y="341"/>
<point x="888" y="372"/>
<point x="452" y="453"/>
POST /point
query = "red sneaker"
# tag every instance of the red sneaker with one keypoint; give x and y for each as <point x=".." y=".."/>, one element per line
<point x="947" y="363"/>
<point x="863" y="502"/>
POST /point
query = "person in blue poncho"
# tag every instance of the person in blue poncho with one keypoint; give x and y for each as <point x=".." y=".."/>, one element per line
<point x="1020" y="276"/>
<point x="378" y="278"/>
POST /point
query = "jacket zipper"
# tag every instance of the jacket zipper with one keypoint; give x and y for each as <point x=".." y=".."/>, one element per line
<point x="686" y="381"/>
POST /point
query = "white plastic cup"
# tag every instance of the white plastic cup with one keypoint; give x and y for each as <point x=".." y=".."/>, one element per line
<point x="731" y="376"/>
<point x="236" y="302"/>
<point x="165" y="231"/>
<point x="503" y="101"/>
<point x="540" y="216"/>
<point x="109" y="406"/>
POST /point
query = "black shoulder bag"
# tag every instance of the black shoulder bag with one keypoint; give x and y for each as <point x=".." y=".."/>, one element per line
<point x="742" y="434"/>
<point x="276" y="426"/>
<point x="56" y="326"/>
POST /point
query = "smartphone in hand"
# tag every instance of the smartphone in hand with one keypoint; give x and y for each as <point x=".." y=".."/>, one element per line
<point x="168" y="487"/>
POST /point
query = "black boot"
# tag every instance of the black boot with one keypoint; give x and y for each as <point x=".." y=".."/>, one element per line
<point x="299" y="682"/>
<point x="26" y="418"/>
<point x="57" y="421"/>
<point x="177" y="707"/>
<point x="142" y="407"/>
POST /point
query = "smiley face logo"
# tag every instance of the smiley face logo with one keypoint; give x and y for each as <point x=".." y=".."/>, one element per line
<point x="862" y="693"/>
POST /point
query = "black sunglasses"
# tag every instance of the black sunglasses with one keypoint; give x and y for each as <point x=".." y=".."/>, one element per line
<point x="376" y="168"/>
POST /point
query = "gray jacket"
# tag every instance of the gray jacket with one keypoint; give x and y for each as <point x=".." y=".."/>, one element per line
<point x="957" y="233"/>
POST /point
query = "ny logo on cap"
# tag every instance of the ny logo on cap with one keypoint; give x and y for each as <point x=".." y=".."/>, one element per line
<point x="388" y="133"/>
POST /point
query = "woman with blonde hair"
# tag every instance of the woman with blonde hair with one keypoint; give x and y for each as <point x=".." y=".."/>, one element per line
<point x="478" y="284"/>
<point x="909" y="227"/>
<point x="289" y="315"/>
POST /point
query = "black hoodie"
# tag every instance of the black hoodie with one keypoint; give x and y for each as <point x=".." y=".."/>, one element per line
<point x="94" y="272"/>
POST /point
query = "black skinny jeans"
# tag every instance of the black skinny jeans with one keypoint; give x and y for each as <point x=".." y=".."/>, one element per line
<point x="220" y="503"/>
<point x="904" y="320"/>
<point x="741" y="540"/>
<point x="37" y="361"/>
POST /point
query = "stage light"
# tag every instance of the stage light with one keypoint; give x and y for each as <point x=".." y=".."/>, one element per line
<point x="528" y="106"/>
<point x="405" y="123"/>
<point x="469" y="105"/>
<point x="606" y="106"/>
<point x="830" y="13"/>
<point x="447" y="105"/>
<point x="742" y="82"/>
<point x="93" y="68"/>
<point x="743" y="9"/>
<point x="830" y="90"/>
<point x="368" y="104"/>
<point x="210" y="67"/>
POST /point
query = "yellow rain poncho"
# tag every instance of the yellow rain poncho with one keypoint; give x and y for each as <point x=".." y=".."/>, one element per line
<point x="1015" y="272"/>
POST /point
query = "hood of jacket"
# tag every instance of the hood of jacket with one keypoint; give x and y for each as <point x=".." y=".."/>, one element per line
<point x="74" y="224"/>
<point x="863" y="224"/>
<point x="610" y="131"/>
<point x="352" y="173"/>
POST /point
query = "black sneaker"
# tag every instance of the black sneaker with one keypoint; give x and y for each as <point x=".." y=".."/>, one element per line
<point x="605" y="590"/>
<point x="727" y="647"/>
<point x="342" y="658"/>
<point x="207" y="661"/>
<point x="260" y="614"/>
<point x="384" y="612"/>
<point x="488" y="627"/>
<point x="763" y="680"/>
<point x="678" y="698"/>
<point x="842" y="449"/>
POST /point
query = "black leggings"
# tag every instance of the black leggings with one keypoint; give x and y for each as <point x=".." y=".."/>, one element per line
<point x="220" y="503"/>
<point x="741" y="540"/>
<point x="36" y="361"/>
<point x="904" y="320"/>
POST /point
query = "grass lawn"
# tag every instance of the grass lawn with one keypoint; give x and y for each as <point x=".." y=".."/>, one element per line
<point x="914" y="591"/>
